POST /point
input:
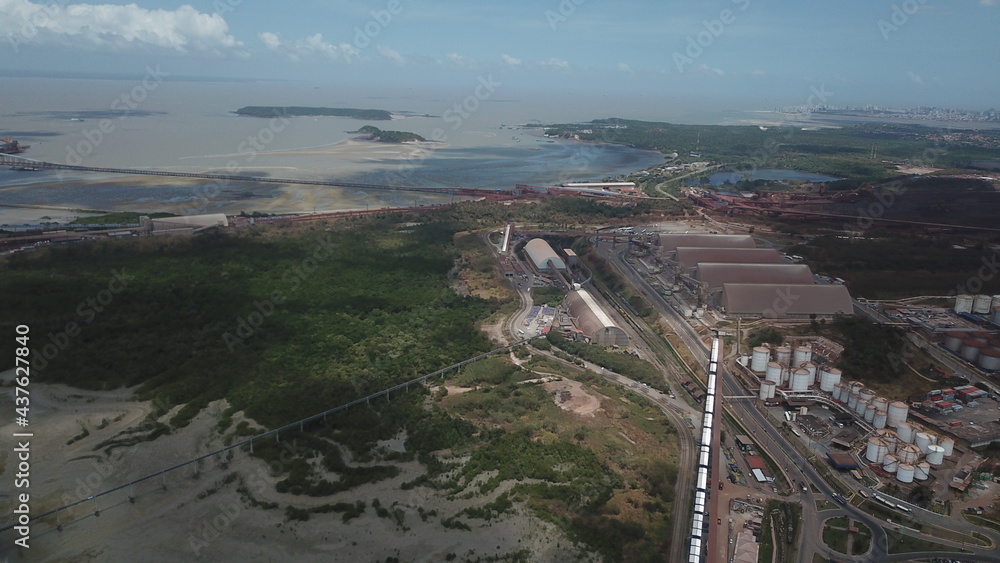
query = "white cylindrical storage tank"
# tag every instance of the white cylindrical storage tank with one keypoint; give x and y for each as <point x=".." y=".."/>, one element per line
<point x="963" y="303"/>
<point x="948" y="445"/>
<point x="922" y="471"/>
<point x="758" y="361"/>
<point x="859" y="409"/>
<point x="828" y="379"/>
<point x="981" y="305"/>
<point x="852" y="400"/>
<point x="935" y="455"/>
<point x="801" y="355"/>
<point x="767" y="389"/>
<point x="866" y="394"/>
<point x="996" y="315"/>
<point x="881" y="403"/>
<point x="971" y="348"/>
<point x="904" y="473"/>
<point x="996" y="302"/>
<point x="904" y="431"/>
<point x="953" y="340"/>
<point x="801" y="380"/>
<point x="908" y="454"/>
<point x="783" y="355"/>
<point x="811" y="368"/>
<point x="870" y="413"/>
<point x="772" y="372"/>
<point x="989" y="359"/>
<point x="877" y="450"/>
<point x="856" y="386"/>
<point x="922" y="441"/>
<point x="840" y="392"/>
<point x="897" y="413"/>
<point x="879" y="419"/>
<point x="890" y="438"/>
<point x="890" y="463"/>
<point x="981" y="335"/>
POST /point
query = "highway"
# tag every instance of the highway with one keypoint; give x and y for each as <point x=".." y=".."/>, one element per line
<point x="796" y="467"/>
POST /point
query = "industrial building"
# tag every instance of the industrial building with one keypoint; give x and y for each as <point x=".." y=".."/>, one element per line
<point x="785" y="300"/>
<point x="689" y="256"/>
<point x="541" y="253"/>
<point x="714" y="274"/>
<point x="182" y="225"/>
<point x="596" y="325"/>
<point x="670" y="242"/>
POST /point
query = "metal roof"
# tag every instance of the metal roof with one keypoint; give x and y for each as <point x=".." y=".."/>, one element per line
<point x="540" y="252"/>
<point x="689" y="256"/>
<point x="592" y="319"/>
<point x="714" y="274"/>
<point x="703" y="240"/>
<point x="783" y="300"/>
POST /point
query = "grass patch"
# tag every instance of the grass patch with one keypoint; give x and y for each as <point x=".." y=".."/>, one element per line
<point x="901" y="543"/>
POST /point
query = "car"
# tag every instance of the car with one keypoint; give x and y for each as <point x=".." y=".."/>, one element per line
<point x="720" y="521"/>
<point x="720" y="485"/>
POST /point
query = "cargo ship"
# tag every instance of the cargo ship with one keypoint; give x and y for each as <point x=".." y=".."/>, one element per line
<point x="10" y="146"/>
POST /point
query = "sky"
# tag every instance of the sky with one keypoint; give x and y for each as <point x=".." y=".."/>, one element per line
<point x="898" y="53"/>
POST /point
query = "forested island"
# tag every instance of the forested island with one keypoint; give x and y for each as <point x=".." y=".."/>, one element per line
<point x="378" y="135"/>
<point x="306" y="111"/>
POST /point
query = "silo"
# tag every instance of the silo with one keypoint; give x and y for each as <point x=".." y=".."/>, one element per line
<point x="767" y="389"/>
<point x="922" y="471"/>
<point x="866" y="394"/>
<point x="801" y="355"/>
<point x="870" y="413"/>
<point x="953" y="340"/>
<point x="881" y="403"/>
<point x="852" y="401"/>
<point x="856" y="386"/>
<point x="890" y="438"/>
<point x="996" y="315"/>
<point x="949" y="446"/>
<point x="829" y="378"/>
<point x="879" y="420"/>
<point x="904" y="431"/>
<point x="839" y="391"/>
<point x="859" y="408"/>
<point x="981" y="305"/>
<point x="908" y="454"/>
<point x="904" y="473"/>
<point x="971" y="348"/>
<point x="922" y="441"/>
<point x="773" y="372"/>
<point x="811" y="368"/>
<point x="897" y="413"/>
<point x="963" y="303"/>
<point x="890" y="463"/>
<point x="758" y="361"/>
<point x="783" y="355"/>
<point x="801" y="380"/>
<point x="989" y="359"/>
<point x="981" y="335"/>
<point x="877" y="450"/>
<point x="996" y="302"/>
<point x="935" y="455"/>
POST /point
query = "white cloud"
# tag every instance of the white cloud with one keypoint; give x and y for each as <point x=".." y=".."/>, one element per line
<point x="305" y="47"/>
<point x="113" y="26"/>
<point x="914" y="77"/>
<point x="988" y="2"/>
<point x="463" y="61"/>
<point x="555" y="63"/>
<point x="391" y="54"/>
<point x="624" y="67"/>
<point x="713" y="70"/>
<point x="512" y="61"/>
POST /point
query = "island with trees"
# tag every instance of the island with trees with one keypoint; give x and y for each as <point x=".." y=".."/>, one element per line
<point x="378" y="135"/>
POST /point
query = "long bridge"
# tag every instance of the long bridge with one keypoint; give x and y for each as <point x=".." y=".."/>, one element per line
<point x="19" y="162"/>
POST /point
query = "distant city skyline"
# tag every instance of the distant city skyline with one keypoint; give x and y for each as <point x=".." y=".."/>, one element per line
<point x="894" y="53"/>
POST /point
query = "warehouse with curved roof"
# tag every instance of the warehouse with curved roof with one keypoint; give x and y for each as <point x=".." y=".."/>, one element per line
<point x="715" y="274"/>
<point x="670" y="242"/>
<point x="777" y="301"/>
<point x="689" y="257"/>
<point x="540" y="253"/>
<point x="593" y="321"/>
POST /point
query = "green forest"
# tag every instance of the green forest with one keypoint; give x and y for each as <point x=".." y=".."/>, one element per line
<point x="282" y="326"/>
<point x="384" y="136"/>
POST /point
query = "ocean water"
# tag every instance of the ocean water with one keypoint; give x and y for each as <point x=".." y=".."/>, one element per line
<point x="191" y="127"/>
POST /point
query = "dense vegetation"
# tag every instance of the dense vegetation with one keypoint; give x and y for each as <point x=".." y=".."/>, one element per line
<point x="898" y="265"/>
<point x="628" y="365"/>
<point x="121" y="217"/>
<point x="304" y="111"/>
<point x="282" y="326"/>
<point x="384" y="136"/>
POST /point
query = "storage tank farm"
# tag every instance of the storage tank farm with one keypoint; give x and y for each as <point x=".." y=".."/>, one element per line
<point x="963" y="303"/>
<point x="922" y="471"/>
<point x="890" y="463"/>
<point x="981" y="305"/>
<point x="904" y="473"/>
<point x="767" y="389"/>
<point x="759" y="358"/>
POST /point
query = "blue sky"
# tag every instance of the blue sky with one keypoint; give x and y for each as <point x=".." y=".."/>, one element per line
<point x="886" y="52"/>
